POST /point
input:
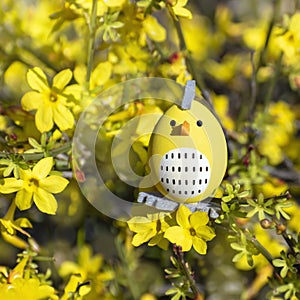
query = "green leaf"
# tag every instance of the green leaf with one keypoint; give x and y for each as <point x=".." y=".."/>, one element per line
<point x="225" y="207"/>
<point x="34" y="143"/>
<point x="171" y="291"/>
<point x="176" y="296"/>
<point x="238" y="257"/>
<point x="8" y="170"/>
<point x="243" y="194"/>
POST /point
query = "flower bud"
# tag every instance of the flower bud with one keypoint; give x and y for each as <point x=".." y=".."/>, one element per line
<point x="266" y="224"/>
<point x="280" y="228"/>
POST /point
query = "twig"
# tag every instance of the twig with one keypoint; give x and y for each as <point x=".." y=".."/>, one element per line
<point x="253" y="89"/>
<point x="273" y="81"/>
<point x="289" y="242"/>
<point x="91" y="43"/>
<point x="279" y="197"/>
<point x="35" y="156"/>
<point x="187" y="272"/>
<point x="297" y="5"/>
<point x="276" y="10"/>
<point x="262" y="249"/>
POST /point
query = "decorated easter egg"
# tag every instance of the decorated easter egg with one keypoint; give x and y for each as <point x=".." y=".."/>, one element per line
<point x="188" y="153"/>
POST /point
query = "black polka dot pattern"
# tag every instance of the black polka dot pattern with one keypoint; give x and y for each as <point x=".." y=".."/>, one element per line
<point x="184" y="172"/>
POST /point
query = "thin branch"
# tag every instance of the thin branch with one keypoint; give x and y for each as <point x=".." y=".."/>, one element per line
<point x="253" y="90"/>
<point x="262" y="249"/>
<point x="35" y="156"/>
<point x="289" y="242"/>
<point x="187" y="272"/>
<point x="272" y="84"/>
<point x="276" y="9"/>
<point x="91" y="42"/>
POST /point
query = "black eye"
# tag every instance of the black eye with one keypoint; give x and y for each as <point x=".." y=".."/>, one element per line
<point x="199" y="123"/>
<point x="172" y="122"/>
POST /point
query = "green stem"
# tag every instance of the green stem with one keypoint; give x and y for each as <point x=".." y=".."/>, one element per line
<point x="272" y="85"/>
<point x="36" y="156"/>
<point x="253" y="90"/>
<point x="279" y="197"/>
<point x="285" y="236"/>
<point x="297" y="5"/>
<point x="187" y="272"/>
<point x="289" y="242"/>
<point x="262" y="249"/>
<point x="91" y="42"/>
<point x="277" y="4"/>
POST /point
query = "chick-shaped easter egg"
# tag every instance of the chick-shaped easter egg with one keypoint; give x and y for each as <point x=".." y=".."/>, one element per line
<point x="188" y="153"/>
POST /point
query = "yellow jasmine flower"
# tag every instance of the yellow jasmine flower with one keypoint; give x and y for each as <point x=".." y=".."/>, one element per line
<point x="289" y="40"/>
<point x="35" y="185"/>
<point x="191" y="230"/>
<point x="153" y="29"/>
<point x="221" y="104"/>
<point x="26" y="288"/>
<point x="150" y="228"/>
<point x="179" y="10"/>
<point x="72" y="286"/>
<point x="102" y="5"/>
<point x="294" y="212"/>
<point x="9" y="228"/>
<point x="277" y="132"/>
<point x="50" y="103"/>
<point x="226" y="70"/>
<point x="87" y="265"/>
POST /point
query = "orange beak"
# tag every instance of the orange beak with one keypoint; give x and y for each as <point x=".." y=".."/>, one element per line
<point x="181" y="130"/>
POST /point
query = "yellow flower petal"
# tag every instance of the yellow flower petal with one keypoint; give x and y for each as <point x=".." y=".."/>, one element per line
<point x="205" y="233"/>
<point x="62" y="79"/>
<point x="182" y="216"/>
<point x="199" y="218"/>
<point x="25" y="174"/>
<point x="182" y="12"/>
<point x="24" y="199"/>
<point x="32" y="100"/>
<point x="142" y="237"/>
<point x="199" y="245"/>
<point x="45" y="201"/>
<point x="114" y="3"/>
<point x="138" y="224"/>
<point x="43" y="167"/>
<point x="181" y="3"/>
<point x="37" y="80"/>
<point x="179" y="236"/>
<point x="15" y="241"/>
<point x="154" y="30"/>
<point x="72" y="285"/>
<point x="63" y="118"/>
<point x="10" y="185"/>
<point x="68" y="267"/>
<point x="53" y="184"/>
<point x="295" y="24"/>
<point x="44" y="118"/>
<point x="29" y="289"/>
<point x="101" y="73"/>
